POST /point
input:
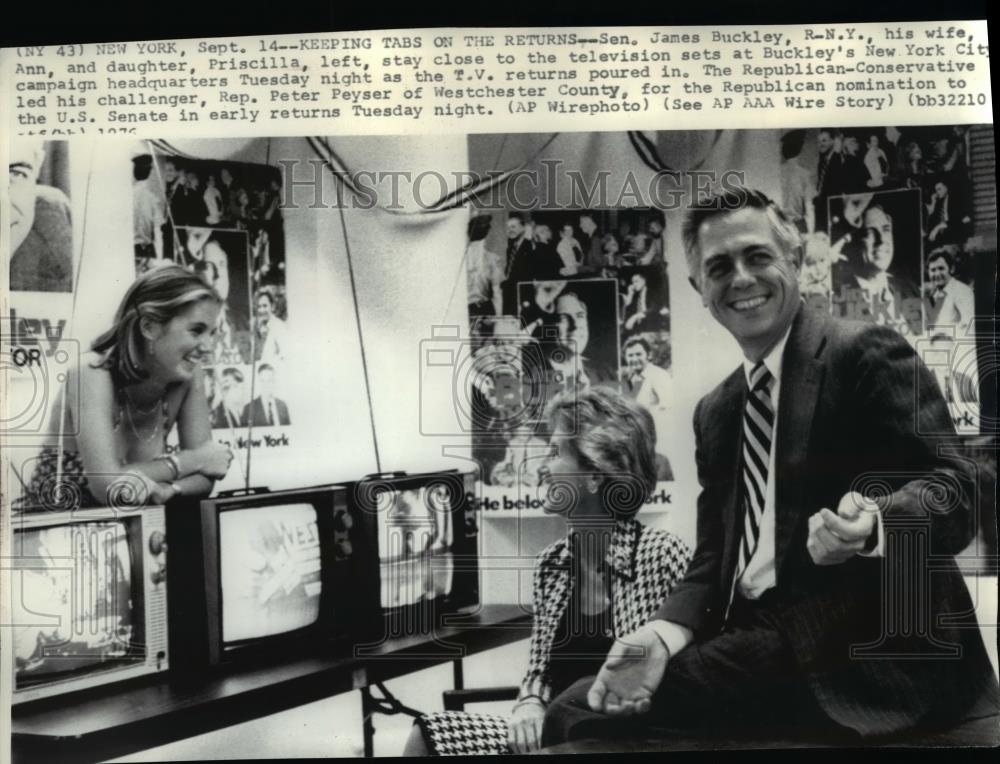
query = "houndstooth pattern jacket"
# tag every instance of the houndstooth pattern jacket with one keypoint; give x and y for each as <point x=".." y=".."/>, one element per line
<point x="645" y="565"/>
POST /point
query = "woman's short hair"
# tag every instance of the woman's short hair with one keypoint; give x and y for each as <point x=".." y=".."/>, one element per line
<point x="160" y="294"/>
<point x="614" y="437"/>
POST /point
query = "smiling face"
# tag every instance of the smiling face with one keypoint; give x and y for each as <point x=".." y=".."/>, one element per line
<point x="746" y="278"/>
<point x="264" y="308"/>
<point x="938" y="273"/>
<point x="183" y="343"/>
<point x="879" y="249"/>
<point x="636" y="358"/>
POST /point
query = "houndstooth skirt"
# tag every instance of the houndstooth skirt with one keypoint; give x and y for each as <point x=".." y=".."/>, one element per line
<point x="457" y="733"/>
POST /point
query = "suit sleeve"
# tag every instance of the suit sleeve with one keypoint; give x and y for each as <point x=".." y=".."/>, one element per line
<point x="695" y="602"/>
<point x="909" y="429"/>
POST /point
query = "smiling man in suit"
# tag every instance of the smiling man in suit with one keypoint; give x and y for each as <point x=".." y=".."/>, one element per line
<point x="266" y="410"/>
<point x="782" y="621"/>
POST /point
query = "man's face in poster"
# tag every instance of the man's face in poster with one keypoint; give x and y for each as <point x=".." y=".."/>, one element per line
<point x="26" y="159"/>
<point x="938" y="272"/>
<point x="515" y="228"/>
<point x="636" y="358"/>
<point x="264" y="308"/>
<point x="169" y="172"/>
<point x="878" y="251"/>
<point x="230" y="385"/>
<point x="824" y="141"/>
<point x="265" y="379"/>
<point x="574" y="331"/>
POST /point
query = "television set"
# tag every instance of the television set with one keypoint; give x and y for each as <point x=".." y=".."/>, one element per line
<point x="89" y="599"/>
<point x="269" y="575"/>
<point x="427" y="542"/>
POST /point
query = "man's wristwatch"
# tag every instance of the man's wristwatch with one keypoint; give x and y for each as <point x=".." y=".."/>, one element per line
<point x="177" y="489"/>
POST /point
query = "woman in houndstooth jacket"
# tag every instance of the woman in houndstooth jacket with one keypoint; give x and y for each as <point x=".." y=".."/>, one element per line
<point x="606" y="577"/>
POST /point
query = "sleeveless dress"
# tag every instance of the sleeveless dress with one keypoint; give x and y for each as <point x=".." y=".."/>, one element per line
<point x="58" y="482"/>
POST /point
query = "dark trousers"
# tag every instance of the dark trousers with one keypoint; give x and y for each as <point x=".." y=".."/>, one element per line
<point x="743" y="681"/>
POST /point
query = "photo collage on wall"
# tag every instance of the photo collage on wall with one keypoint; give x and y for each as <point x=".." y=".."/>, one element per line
<point x="572" y="299"/>
<point x="889" y="239"/>
<point x="223" y="221"/>
<point x="41" y="231"/>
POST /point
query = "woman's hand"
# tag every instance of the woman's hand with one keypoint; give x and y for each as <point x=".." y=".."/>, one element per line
<point x="213" y="459"/>
<point x="525" y="732"/>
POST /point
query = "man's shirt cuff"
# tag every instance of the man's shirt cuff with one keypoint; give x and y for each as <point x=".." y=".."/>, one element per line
<point x="674" y="636"/>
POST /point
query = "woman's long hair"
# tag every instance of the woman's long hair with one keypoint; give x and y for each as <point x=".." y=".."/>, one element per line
<point x="160" y="295"/>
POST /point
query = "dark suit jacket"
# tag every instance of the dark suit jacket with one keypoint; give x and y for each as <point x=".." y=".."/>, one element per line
<point x="220" y="420"/>
<point x="254" y="413"/>
<point x="853" y="399"/>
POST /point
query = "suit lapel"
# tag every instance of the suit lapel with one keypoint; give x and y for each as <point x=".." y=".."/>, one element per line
<point x="730" y="442"/>
<point x="801" y="380"/>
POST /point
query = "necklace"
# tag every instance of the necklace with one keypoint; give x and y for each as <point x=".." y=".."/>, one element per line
<point x="145" y="412"/>
<point x="159" y="424"/>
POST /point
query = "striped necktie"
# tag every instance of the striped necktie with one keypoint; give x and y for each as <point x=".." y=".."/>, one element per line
<point x="758" y="426"/>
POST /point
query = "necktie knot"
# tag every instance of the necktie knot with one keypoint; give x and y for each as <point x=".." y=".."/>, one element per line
<point x="760" y="378"/>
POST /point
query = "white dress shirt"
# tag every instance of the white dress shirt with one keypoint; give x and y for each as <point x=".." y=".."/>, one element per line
<point x="760" y="574"/>
<point x="953" y="305"/>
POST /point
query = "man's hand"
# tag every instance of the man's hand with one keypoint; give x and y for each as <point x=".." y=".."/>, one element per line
<point x="835" y="538"/>
<point x="630" y="674"/>
<point x="525" y="732"/>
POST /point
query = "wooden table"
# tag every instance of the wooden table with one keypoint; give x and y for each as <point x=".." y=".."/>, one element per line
<point x="117" y="720"/>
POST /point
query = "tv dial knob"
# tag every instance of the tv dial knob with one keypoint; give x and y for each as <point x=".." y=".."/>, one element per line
<point x="342" y="522"/>
<point x="344" y="548"/>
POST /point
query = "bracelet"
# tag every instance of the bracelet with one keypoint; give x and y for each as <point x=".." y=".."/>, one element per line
<point x="529" y="698"/>
<point x="175" y="465"/>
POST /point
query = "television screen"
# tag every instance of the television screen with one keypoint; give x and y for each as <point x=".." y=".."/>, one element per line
<point x="78" y="591"/>
<point x="269" y="570"/>
<point x="415" y="538"/>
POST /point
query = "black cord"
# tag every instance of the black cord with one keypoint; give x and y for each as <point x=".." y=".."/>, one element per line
<point x="390" y="705"/>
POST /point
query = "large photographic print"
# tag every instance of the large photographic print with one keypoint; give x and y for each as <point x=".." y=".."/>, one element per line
<point x="223" y="221"/>
<point x="41" y="231"/>
<point x="560" y="301"/>
<point x="638" y="382"/>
